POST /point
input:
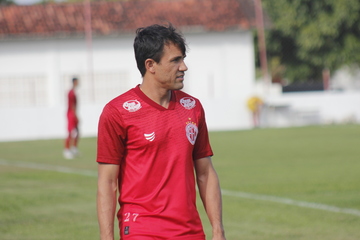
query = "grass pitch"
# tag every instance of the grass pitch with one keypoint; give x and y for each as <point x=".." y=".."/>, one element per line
<point x="43" y="196"/>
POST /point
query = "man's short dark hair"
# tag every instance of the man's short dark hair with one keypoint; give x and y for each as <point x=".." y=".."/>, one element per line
<point x="74" y="79"/>
<point x="150" y="41"/>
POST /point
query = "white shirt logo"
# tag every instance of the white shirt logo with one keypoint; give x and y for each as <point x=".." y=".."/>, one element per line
<point x="188" y="103"/>
<point x="191" y="132"/>
<point x="149" y="136"/>
<point x="132" y="105"/>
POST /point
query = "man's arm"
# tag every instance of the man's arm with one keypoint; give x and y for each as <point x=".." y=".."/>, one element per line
<point x="106" y="199"/>
<point x="210" y="193"/>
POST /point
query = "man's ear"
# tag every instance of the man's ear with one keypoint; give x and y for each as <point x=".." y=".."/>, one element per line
<point x="150" y="65"/>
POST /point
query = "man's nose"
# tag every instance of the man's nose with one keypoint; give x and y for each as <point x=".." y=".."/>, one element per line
<point x="183" y="67"/>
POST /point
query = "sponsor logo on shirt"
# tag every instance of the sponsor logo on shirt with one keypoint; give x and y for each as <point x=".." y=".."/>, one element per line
<point x="188" y="102"/>
<point x="126" y="230"/>
<point x="149" y="136"/>
<point x="132" y="105"/>
<point x="191" y="132"/>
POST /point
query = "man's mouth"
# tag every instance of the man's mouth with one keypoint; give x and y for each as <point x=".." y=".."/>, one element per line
<point x="181" y="76"/>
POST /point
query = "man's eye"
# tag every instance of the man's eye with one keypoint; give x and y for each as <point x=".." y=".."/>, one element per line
<point x="179" y="59"/>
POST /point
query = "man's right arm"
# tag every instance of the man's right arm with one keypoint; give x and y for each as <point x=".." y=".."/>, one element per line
<point x="106" y="199"/>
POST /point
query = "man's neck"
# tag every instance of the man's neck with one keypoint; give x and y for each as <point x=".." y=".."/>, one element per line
<point x="159" y="95"/>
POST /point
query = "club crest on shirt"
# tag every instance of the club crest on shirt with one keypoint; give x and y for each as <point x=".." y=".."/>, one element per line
<point x="191" y="132"/>
<point x="188" y="102"/>
<point x="132" y="105"/>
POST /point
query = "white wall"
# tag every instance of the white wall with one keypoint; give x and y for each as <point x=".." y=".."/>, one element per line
<point x="57" y="61"/>
<point x="307" y="108"/>
<point x="221" y="74"/>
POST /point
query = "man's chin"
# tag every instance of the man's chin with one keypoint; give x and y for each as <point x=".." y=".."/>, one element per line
<point x="178" y="86"/>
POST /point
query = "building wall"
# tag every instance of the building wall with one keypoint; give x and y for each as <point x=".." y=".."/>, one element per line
<point x="221" y="74"/>
<point x="36" y="74"/>
<point x="311" y="108"/>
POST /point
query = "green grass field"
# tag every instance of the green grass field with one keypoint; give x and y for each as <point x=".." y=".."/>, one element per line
<point x="279" y="184"/>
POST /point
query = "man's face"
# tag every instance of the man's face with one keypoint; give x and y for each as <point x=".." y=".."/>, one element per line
<point x="76" y="83"/>
<point x="170" y="71"/>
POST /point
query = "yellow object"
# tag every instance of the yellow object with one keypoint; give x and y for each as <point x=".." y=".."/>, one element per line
<point x="254" y="103"/>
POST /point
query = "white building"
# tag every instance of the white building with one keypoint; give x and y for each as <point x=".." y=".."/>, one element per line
<point x="42" y="47"/>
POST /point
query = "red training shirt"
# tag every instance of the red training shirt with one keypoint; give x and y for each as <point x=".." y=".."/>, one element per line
<point x="71" y="100"/>
<point x="155" y="148"/>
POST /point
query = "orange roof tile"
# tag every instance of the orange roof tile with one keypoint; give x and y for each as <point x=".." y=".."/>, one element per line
<point x="67" y="19"/>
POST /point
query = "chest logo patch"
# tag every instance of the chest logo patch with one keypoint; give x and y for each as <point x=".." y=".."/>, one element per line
<point x="132" y="105"/>
<point x="188" y="102"/>
<point x="149" y="136"/>
<point x="191" y="132"/>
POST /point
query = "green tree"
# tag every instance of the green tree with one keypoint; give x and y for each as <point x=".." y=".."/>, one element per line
<point x="6" y="2"/>
<point x="309" y="36"/>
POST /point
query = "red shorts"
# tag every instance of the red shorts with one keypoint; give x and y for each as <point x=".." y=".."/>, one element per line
<point x="72" y="121"/>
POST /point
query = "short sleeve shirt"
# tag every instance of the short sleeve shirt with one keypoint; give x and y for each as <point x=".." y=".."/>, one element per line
<point x="71" y="99"/>
<point x="156" y="148"/>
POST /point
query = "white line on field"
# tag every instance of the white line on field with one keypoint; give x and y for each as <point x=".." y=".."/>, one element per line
<point x="238" y="194"/>
<point x="289" y="201"/>
<point x="48" y="167"/>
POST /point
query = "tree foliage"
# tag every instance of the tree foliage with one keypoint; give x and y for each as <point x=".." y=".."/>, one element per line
<point x="309" y="36"/>
<point x="6" y="2"/>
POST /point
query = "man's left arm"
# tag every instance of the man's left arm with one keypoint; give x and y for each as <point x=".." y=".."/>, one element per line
<point x="210" y="193"/>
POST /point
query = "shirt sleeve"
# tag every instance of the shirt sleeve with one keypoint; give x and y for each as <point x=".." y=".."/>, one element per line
<point x="202" y="146"/>
<point x="111" y="136"/>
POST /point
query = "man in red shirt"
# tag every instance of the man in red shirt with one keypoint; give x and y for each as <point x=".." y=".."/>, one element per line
<point x="71" y="141"/>
<point x="150" y="140"/>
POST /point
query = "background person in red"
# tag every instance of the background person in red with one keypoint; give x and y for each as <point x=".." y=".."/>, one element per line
<point x="150" y="141"/>
<point x="71" y="141"/>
